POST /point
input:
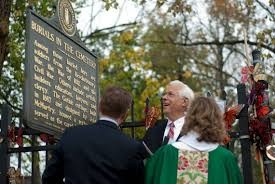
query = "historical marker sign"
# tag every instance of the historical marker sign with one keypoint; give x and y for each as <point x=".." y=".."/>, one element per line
<point x="61" y="81"/>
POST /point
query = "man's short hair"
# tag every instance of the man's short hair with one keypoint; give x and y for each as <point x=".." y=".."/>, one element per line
<point x="115" y="102"/>
<point x="185" y="90"/>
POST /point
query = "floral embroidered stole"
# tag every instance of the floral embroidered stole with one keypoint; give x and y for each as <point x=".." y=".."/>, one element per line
<point x="192" y="167"/>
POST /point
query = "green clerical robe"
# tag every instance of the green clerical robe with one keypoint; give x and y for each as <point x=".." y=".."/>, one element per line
<point x="170" y="165"/>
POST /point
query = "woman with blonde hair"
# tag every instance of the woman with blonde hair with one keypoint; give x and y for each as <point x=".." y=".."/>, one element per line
<point x="197" y="156"/>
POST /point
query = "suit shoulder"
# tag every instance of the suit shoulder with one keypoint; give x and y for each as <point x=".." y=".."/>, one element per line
<point x="74" y="129"/>
<point x="160" y="124"/>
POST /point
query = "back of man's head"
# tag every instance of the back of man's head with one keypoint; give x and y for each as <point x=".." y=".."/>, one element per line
<point x="115" y="102"/>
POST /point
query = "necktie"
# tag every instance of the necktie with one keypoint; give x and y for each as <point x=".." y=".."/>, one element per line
<point x="171" y="131"/>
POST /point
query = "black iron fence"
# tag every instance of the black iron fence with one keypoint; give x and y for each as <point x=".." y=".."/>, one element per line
<point x="6" y="149"/>
<point x="10" y="133"/>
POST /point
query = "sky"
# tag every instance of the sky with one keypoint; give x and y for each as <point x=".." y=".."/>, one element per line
<point x="107" y="18"/>
<point x="104" y="18"/>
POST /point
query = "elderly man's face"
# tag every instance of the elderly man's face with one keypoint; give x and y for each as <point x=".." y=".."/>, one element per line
<point x="174" y="105"/>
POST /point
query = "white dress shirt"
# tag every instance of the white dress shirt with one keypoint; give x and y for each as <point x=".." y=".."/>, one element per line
<point x="177" y="129"/>
<point x="106" y="118"/>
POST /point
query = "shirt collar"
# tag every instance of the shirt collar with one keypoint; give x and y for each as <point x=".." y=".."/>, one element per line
<point x="178" y="123"/>
<point x="107" y="118"/>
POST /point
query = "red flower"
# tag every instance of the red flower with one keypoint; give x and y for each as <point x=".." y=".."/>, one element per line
<point x="259" y="100"/>
<point x="246" y="71"/>
<point x="260" y="86"/>
<point x="19" y="139"/>
<point x="202" y="165"/>
<point x="230" y="116"/>
<point x="183" y="163"/>
<point x="261" y="130"/>
<point x="226" y="139"/>
<point x="263" y="111"/>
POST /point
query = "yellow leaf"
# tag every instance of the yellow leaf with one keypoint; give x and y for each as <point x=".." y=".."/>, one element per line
<point x="187" y="74"/>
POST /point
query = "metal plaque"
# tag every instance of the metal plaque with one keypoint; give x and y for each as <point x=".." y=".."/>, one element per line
<point x="61" y="77"/>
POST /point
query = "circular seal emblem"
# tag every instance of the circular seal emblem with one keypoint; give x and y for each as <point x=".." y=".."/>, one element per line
<point x="270" y="152"/>
<point x="66" y="17"/>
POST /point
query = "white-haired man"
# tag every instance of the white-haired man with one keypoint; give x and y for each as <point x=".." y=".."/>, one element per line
<point x="176" y="99"/>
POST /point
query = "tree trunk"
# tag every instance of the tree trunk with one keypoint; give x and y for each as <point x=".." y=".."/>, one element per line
<point x="221" y="82"/>
<point x="5" y="9"/>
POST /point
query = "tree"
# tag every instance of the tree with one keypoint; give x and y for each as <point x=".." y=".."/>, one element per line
<point x="127" y="66"/>
<point x="5" y="7"/>
<point x="144" y="54"/>
<point x="212" y="44"/>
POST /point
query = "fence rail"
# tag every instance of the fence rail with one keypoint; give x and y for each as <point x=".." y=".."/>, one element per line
<point x="5" y="150"/>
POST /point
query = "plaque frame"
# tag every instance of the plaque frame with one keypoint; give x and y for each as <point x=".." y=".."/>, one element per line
<point x="27" y="98"/>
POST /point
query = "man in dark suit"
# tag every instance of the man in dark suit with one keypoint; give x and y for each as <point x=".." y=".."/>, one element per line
<point x="99" y="153"/>
<point x="176" y="99"/>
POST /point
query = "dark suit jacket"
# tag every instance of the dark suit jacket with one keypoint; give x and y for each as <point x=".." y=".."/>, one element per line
<point x="95" y="154"/>
<point x="153" y="138"/>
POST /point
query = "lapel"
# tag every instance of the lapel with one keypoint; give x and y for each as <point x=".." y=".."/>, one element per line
<point x="163" y="125"/>
<point x="166" y="139"/>
<point x="161" y="131"/>
<point x="180" y="135"/>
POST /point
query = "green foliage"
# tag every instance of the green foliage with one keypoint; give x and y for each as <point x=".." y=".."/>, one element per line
<point x="175" y="7"/>
<point x="144" y="61"/>
<point x="12" y="78"/>
<point x="179" y="7"/>
<point x="127" y="66"/>
<point x="110" y="3"/>
<point x="171" y="61"/>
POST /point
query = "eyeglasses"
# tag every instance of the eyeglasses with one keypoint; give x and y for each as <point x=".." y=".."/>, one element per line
<point x="169" y="94"/>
